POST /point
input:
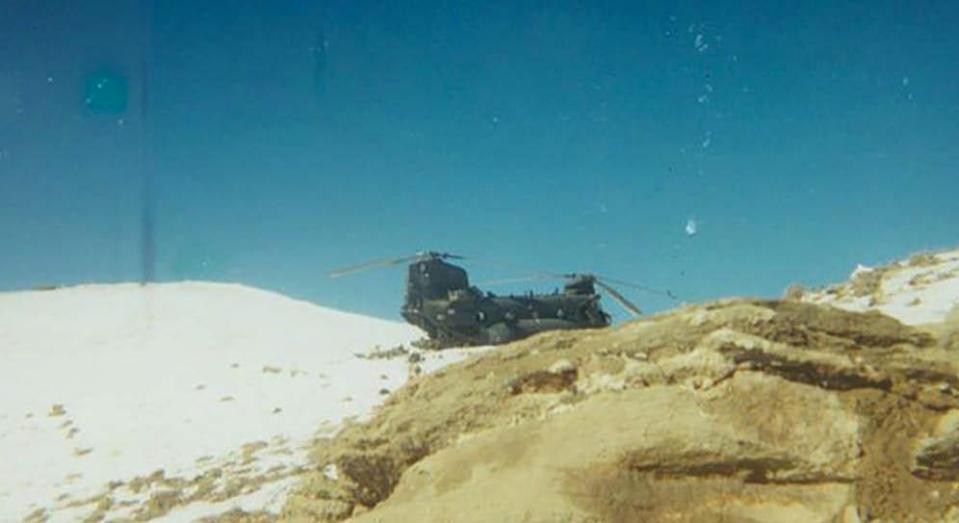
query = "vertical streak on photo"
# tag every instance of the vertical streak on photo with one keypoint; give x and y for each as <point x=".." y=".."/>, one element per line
<point x="147" y="240"/>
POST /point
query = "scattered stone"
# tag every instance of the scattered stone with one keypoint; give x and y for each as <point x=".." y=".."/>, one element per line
<point x="377" y="353"/>
<point x="56" y="410"/>
<point x="923" y="259"/>
<point x="794" y="292"/>
<point x="427" y="344"/>
<point x="867" y="282"/>
<point x="384" y="392"/>
<point x="227" y="398"/>
<point x="271" y="370"/>
<point x="140" y="483"/>
<point x="159" y="504"/>
<point x="249" y="450"/>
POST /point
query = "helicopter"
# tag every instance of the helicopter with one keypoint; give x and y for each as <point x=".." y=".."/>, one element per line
<point x="440" y="301"/>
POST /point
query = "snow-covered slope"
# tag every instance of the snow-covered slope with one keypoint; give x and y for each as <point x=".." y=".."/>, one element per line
<point x="922" y="289"/>
<point x="225" y="383"/>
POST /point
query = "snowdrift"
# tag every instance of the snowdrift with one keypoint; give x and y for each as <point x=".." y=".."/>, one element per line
<point x="107" y="389"/>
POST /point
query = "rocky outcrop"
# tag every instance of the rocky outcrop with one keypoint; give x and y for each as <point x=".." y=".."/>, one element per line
<point x="739" y="410"/>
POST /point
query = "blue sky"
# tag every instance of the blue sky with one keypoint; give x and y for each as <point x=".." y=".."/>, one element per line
<point x="291" y="137"/>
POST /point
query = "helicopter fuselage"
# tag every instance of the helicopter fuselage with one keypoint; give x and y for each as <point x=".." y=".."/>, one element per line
<point x="440" y="301"/>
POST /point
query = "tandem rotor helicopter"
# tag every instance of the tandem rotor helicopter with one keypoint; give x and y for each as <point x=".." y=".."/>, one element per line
<point x="440" y="301"/>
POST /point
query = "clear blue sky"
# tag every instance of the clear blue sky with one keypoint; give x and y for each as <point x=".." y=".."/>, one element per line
<point x="291" y="137"/>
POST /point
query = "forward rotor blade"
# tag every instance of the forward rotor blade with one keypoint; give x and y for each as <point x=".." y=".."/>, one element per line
<point x="372" y="264"/>
<point x="521" y="279"/>
<point x="628" y="305"/>
<point x="386" y="262"/>
<point x="513" y="267"/>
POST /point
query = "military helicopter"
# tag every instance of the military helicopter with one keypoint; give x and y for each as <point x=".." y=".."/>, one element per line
<point x="441" y="302"/>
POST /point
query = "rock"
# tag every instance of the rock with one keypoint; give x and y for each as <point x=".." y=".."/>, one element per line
<point x="740" y="410"/>
<point x="937" y="456"/>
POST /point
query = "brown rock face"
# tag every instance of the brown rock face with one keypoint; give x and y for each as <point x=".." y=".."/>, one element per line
<point x="740" y="410"/>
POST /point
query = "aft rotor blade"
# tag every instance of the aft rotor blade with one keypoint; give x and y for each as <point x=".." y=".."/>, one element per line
<point x="372" y="264"/>
<point x="662" y="292"/>
<point x="628" y="305"/>
<point x="547" y="275"/>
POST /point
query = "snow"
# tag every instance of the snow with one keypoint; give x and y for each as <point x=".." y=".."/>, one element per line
<point x="914" y="293"/>
<point x="860" y="269"/>
<point x="108" y="383"/>
<point x="920" y="295"/>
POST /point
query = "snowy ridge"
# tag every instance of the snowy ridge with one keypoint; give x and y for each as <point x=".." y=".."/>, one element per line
<point x="177" y="400"/>
<point x="923" y="289"/>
